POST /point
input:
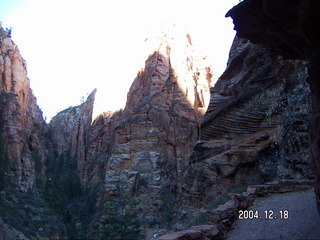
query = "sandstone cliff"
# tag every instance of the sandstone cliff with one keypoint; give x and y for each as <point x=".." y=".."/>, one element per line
<point x="70" y="129"/>
<point x="288" y="28"/>
<point x="24" y="153"/>
<point x="23" y="130"/>
<point x="255" y="128"/>
<point x="145" y="148"/>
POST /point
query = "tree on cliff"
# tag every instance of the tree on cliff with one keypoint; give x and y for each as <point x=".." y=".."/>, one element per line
<point x="121" y="219"/>
<point x="3" y="162"/>
<point x="64" y="193"/>
<point x="3" y="152"/>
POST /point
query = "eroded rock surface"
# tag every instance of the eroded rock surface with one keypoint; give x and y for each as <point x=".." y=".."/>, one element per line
<point x="70" y="129"/>
<point x="23" y="130"/>
<point x="145" y="149"/>
<point x="255" y="128"/>
<point x="25" y="150"/>
<point x="288" y="28"/>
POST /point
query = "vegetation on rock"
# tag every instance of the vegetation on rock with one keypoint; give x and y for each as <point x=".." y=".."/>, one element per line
<point x="29" y="214"/>
<point x="64" y="193"/>
<point x="3" y="162"/>
<point x="121" y="219"/>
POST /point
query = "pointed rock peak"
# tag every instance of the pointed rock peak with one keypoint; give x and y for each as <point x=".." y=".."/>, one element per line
<point x="92" y="94"/>
<point x="90" y="99"/>
<point x="86" y="107"/>
<point x="70" y="128"/>
<point x="172" y="68"/>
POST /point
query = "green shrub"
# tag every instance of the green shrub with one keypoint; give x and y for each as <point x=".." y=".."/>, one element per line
<point x="64" y="193"/>
<point x="168" y="200"/>
<point x="239" y="189"/>
<point x="3" y="163"/>
<point x="220" y="200"/>
<point x="201" y="218"/>
<point x="121" y="219"/>
<point x="35" y="156"/>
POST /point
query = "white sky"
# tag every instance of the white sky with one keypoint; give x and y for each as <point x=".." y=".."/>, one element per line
<point x="74" y="46"/>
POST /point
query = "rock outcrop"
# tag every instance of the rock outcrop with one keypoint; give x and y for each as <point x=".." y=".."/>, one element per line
<point x="145" y="148"/>
<point x="255" y="128"/>
<point x="25" y="150"/>
<point x="288" y="28"/>
<point x="23" y="130"/>
<point x="70" y="129"/>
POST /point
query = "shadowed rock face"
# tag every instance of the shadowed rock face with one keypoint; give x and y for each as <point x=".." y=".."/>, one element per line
<point x="70" y="129"/>
<point x="25" y="150"/>
<point x="146" y="148"/>
<point x="285" y="26"/>
<point x="23" y="131"/>
<point x="289" y="28"/>
<point x="255" y="128"/>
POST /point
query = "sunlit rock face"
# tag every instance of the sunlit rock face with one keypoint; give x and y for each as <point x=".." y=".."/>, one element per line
<point x="255" y="128"/>
<point x="290" y="29"/>
<point x="23" y="129"/>
<point x="145" y="148"/>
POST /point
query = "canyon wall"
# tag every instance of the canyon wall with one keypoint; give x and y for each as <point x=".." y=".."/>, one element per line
<point x="289" y="29"/>
<point x="144" y="149"/>
<point x="254" y="131"/>
<point x="24" y="133"/>
<point x="175" y="147"/>
<point x="70" y="130"/>
<point x="25" y="150"/>
<point x="161" y="151"/>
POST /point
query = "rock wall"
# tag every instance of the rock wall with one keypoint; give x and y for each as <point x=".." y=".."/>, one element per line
<point x="255" y="128"/>
<point x="70" y="129"/>
<point x="25" y="150"/>
<point x="160" y="149"/>
<point x="288" y="28"/>
<point x="144" y="149"/>
<point x="24" y="133"/>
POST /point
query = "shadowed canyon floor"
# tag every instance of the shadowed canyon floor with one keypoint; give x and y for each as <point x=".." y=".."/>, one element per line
<point x="302" y="223"/>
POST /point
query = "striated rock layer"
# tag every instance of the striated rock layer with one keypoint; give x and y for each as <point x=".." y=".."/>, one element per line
<point x="288" y="28"/>
<point x="255" y="128"/>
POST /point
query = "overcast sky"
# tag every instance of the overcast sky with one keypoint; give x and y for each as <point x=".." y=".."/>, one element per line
<point x="74" y="46"/>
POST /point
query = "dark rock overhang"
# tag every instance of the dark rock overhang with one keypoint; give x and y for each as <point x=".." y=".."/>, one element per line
<point x="289" y="27"/>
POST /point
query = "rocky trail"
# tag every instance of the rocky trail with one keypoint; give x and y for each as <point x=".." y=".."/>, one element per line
<point x="301" y="224"/>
